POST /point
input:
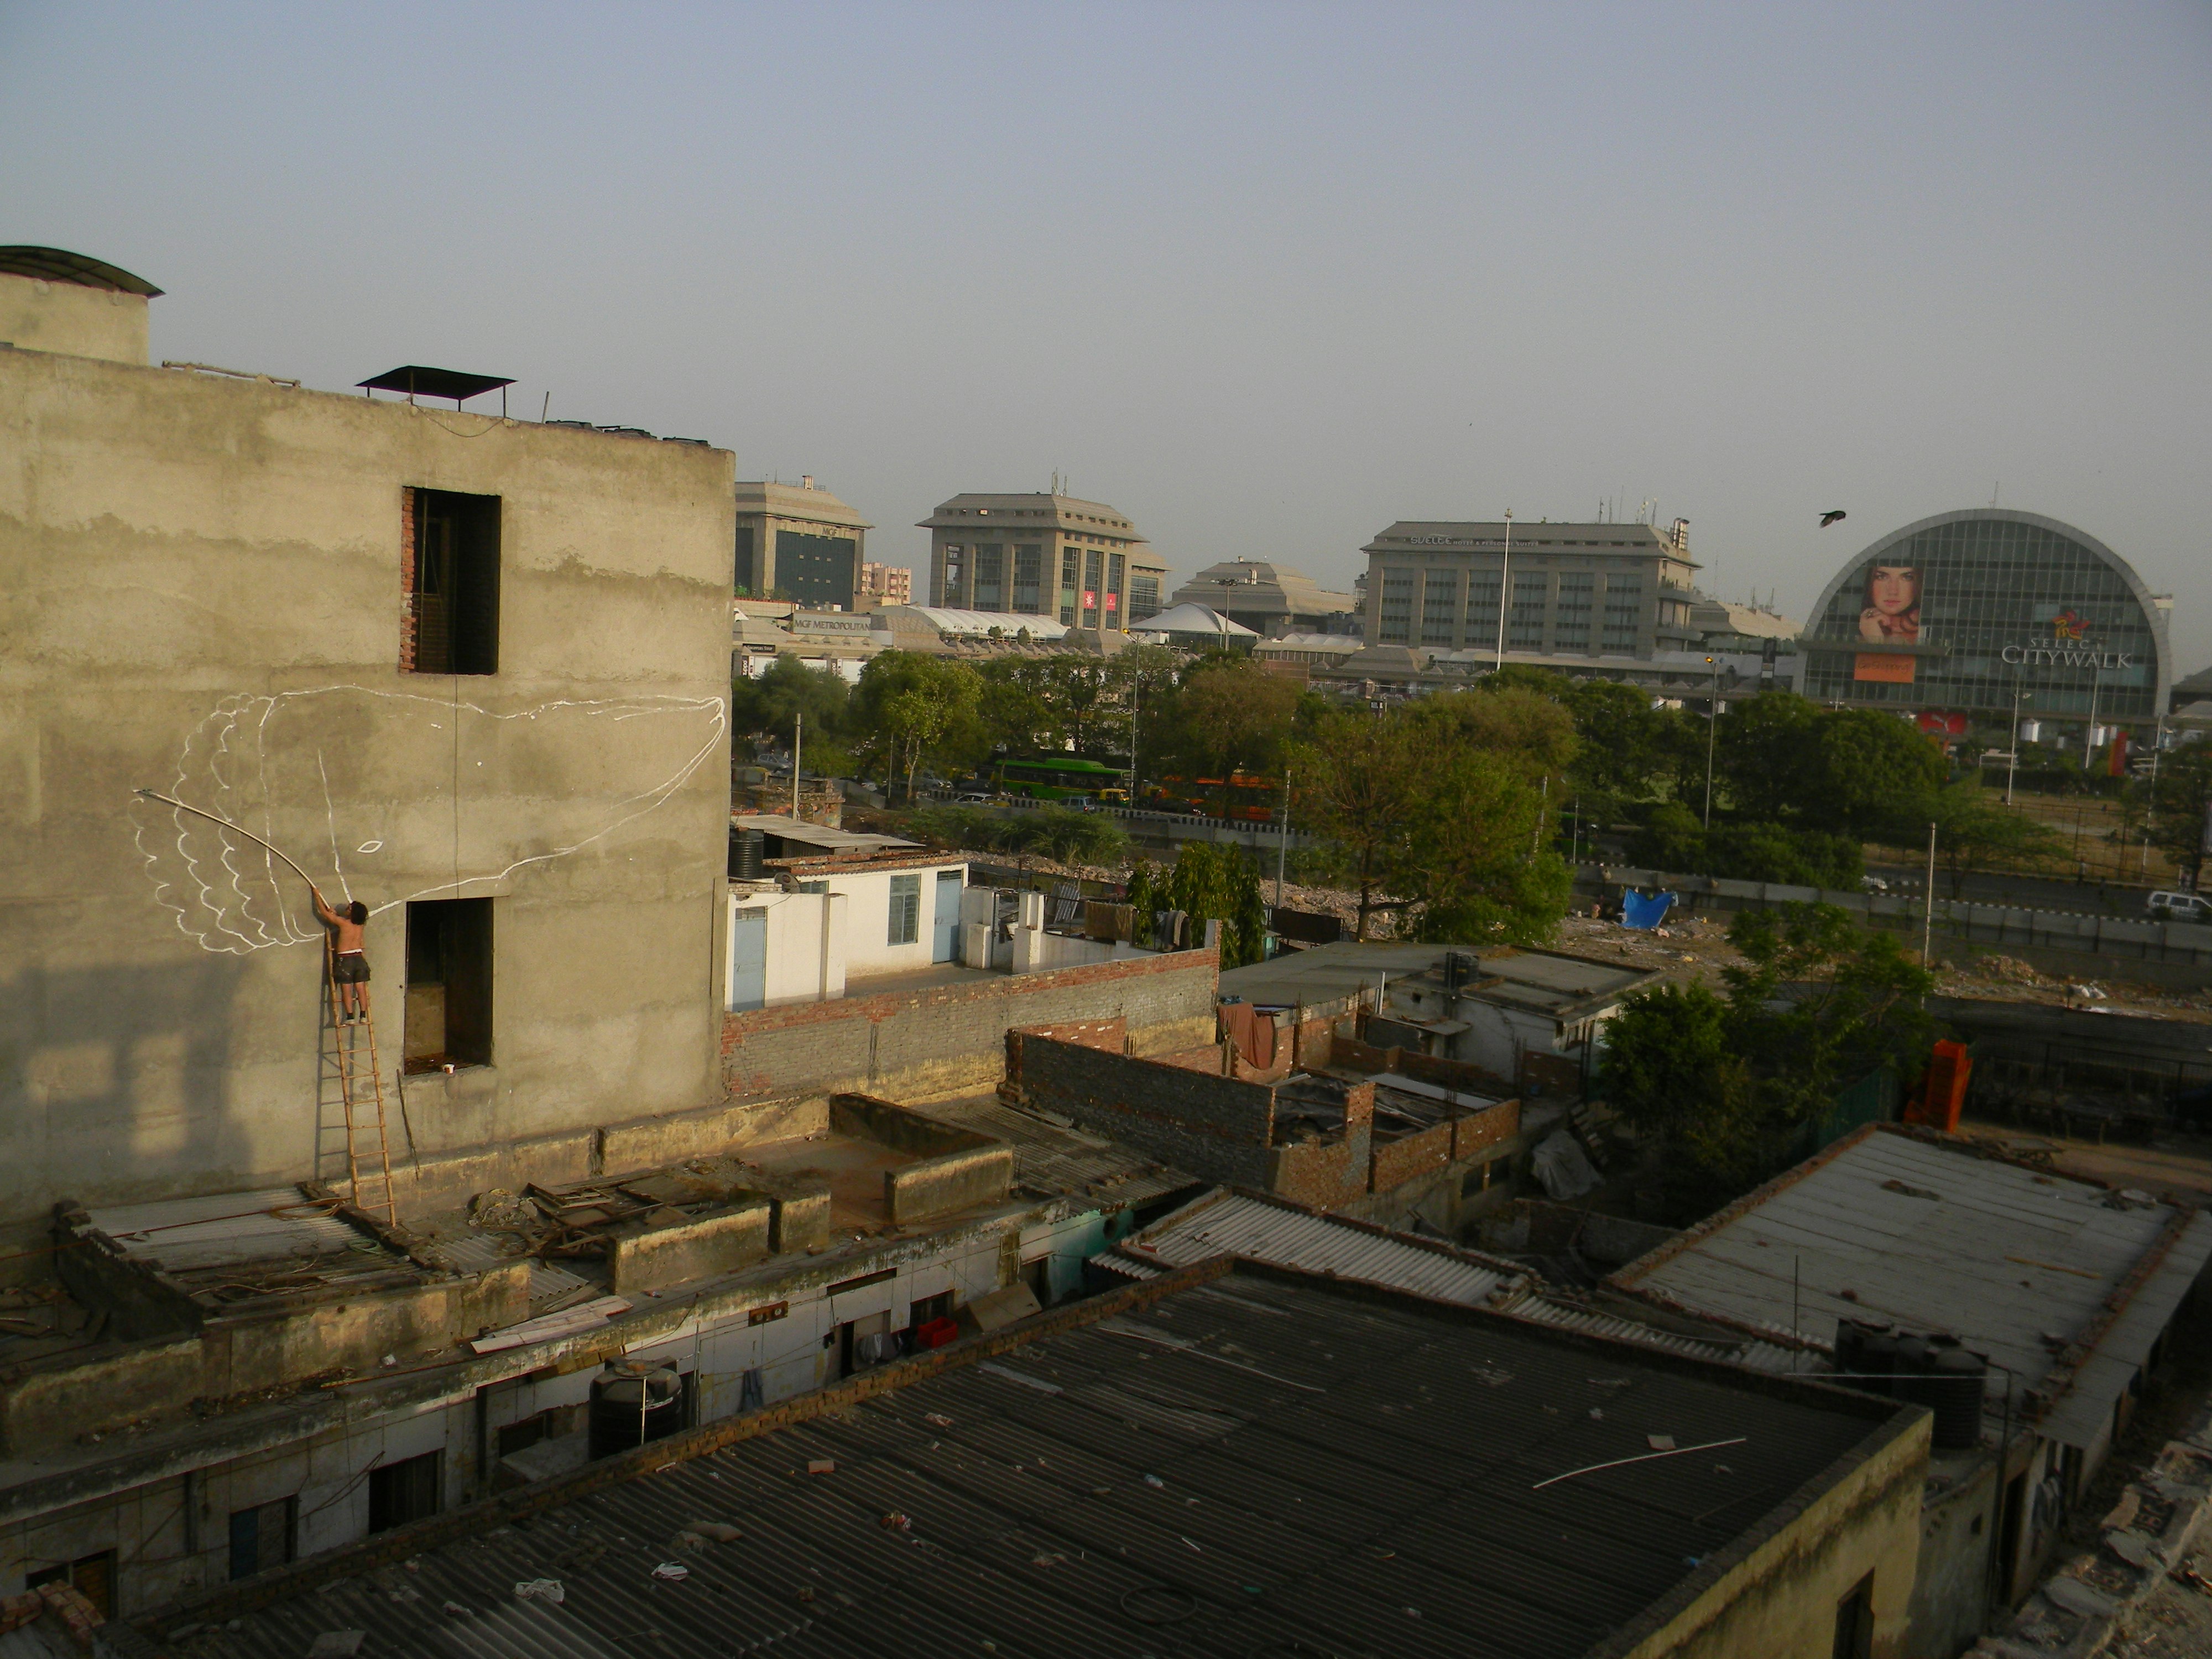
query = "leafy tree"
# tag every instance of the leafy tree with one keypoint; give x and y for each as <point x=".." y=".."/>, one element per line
<point x="1476" y="864"/>
<point x="1144" y="896"/>
<point x="1359" y="783"/>
<point x="1230" y="715"/>
<point x="1530" y="731"/>
<point x="1727" y="1085"/>
<point x="1672" y="839"/>
<point x="768" y="706"/>
<point x="1762" y="753"/>
<point x="1866" y="767"/>
<point x="1620" y="739"/>
<point x="2179" y="807"/>
<point x="1819" y="1001"/>
<point x="1973" y="833"/>
<point x="907" y="705"/>
<point x="1214" y="882"/>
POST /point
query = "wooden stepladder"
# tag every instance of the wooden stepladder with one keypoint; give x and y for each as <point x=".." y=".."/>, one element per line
<point x="345" y="1042"/>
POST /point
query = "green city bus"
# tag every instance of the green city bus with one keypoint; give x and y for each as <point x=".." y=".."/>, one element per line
<point x="1057" y="777"/>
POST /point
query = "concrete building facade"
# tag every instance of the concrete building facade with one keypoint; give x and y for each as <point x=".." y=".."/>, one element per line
<point x="469" y="670"/>
<point x="800" y="543"/>
<point x="1082" y="563"/>
<point x="1578" y="589"/>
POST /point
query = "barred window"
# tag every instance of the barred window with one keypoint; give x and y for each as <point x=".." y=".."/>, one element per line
<point x="906" y="910"/>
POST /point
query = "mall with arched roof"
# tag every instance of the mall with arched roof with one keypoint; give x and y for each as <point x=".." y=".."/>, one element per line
<point x="1951" y="617"/>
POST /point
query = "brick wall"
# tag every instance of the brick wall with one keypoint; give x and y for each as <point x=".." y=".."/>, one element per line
<point x="407" y="581"/>
<point x="1479" y="1130"/>
<point x="1395" y="1162"/>
<point x="951" y="1038"/>
<point x="1214" y="1126"/>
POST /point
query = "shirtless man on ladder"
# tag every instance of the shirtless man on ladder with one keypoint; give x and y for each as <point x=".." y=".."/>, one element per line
<point x="349" y="965"/>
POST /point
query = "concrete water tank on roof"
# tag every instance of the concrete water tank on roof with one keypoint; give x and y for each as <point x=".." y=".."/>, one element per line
<point x="72" y="305"/>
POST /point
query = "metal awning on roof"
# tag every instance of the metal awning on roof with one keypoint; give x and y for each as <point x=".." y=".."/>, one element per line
<point x="785" y="828"/>
<point x="415" y="380"/>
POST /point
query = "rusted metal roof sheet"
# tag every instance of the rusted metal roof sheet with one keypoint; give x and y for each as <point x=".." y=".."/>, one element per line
<point x="1770" y="1357"/>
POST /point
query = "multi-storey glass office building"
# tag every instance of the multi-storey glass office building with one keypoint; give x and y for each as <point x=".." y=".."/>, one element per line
<point x="1955" y="614"/>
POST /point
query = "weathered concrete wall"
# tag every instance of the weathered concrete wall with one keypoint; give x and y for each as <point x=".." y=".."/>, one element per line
<point x="1777" y="1590"/>
<point x="37" y="315"/>
<point x="1958" y="1529"/>
<point x="954" y="1168"/>
<point x="700" y="1246"/>
<point x="948" y="1040"/>
<point x="204" y="582"/>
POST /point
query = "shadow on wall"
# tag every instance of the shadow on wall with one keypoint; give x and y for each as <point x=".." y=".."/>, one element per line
<point x="112" y="1081"/>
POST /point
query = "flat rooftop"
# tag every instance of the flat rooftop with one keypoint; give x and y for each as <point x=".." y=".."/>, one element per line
<point x="1226" y="1462"/>
<point x="2017" y="1263"/>
<point x="1547" y="981"/>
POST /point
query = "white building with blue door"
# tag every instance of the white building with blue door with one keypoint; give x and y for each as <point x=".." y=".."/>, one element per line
<point x="815" y="928"/>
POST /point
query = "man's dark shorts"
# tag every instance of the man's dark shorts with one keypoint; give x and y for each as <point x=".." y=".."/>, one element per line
<point x="351" y="969"/>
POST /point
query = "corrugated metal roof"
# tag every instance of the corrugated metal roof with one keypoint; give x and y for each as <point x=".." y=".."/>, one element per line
<point x="1231" y="1224"/>
<point x="1931" y="1237"/>
<point x="2086" y="1409"/>
<point x="1286" y="1470"/>
<point x="180" y="1233"/>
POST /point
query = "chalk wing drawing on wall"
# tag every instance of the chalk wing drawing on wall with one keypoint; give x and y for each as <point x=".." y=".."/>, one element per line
<point x="389" y="796"/>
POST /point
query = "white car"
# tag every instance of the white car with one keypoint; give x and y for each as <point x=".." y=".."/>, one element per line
<point x="2178" y="907"/>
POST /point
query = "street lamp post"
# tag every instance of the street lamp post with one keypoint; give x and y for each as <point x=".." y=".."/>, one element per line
<point x="1504" y="582"/>
<point x="1712" y="725"/>
<point x="2150" y="806"/>
<point x="2013" y="762"/>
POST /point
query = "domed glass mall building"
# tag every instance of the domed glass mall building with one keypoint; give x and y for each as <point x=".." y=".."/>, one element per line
<point x="1950" y="616"/>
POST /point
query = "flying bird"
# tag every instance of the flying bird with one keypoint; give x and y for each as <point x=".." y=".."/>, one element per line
<point x="1833" y="516"/>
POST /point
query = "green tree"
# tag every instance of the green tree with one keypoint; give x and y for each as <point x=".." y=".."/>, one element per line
<point x="1762" y="752"/>
<point x="1143" y="895"/>
<point x="1230" y="715"/>
<point x="1073" y="837"/>
<point x="1214" y="882"/>
<point x="1867" y="766"/>
<point x="768" y="705"/>
<point x="1619" y="738"/>
<point x="1974" y="831"/>
<point x="1527" y="730"/>
<point x="1359" y="783"/>
<point x="1476" y="864"/>
<point x="1727" y="1086"/>
<point x="2180" y="808"/>
<point x="907" y="705"/>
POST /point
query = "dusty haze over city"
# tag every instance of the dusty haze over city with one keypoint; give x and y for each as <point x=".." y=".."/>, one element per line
<point x="1265" y="277"/>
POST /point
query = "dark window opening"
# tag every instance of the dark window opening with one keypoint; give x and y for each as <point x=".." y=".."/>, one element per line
<point x="263" y="1537"/>
<point x="1036" y="1274"/>
<point x="403" y="1491"/>
<point x="93" y="1576"/>
<point x="448" y="1009"/>
<point x="1855" y="1622"/>
<point x="930" y="1308"/>
<point x="452" y="622"/>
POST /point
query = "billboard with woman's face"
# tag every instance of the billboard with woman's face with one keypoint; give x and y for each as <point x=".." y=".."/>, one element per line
<point x="1892" y="613"/>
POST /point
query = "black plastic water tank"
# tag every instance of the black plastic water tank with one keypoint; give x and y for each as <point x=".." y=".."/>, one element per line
<point x="745" y="855"/>
<point x="634" y="1402"/>
<point x="1954" y="1386"/>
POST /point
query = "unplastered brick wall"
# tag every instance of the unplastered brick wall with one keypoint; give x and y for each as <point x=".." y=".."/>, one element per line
<point x="1215" y="1126"/>
<point x="951" y="1039"/>
<point x="407" y="581"/>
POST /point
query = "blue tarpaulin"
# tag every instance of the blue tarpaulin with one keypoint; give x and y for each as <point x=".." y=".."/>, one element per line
<point x="1637" y="911"/>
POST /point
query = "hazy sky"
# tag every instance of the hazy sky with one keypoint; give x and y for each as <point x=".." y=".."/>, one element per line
<point x="1264" y="277"/>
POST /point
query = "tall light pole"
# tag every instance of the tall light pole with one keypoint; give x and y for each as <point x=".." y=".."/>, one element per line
<point x="1712" y="725"/>
<point x="2150" y="806"/>
<point x="1283" y="847"/>
<point x="1504" y="582"/>
<point x="2013" y="762"/>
